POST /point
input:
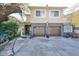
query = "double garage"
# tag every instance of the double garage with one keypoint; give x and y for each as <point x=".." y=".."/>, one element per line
<point x="42" y="29"/>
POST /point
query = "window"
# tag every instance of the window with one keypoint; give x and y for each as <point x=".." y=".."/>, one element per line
<point x="54" y="13"/>
<point x="40" y="13"/>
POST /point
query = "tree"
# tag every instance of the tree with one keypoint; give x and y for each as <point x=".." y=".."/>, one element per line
<point x="8" y="8"/>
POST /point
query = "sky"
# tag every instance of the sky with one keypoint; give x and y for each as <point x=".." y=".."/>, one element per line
<point x="67" y="3"/>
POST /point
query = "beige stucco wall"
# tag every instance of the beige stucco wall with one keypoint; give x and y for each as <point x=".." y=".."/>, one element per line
<point x="46" y="19"/>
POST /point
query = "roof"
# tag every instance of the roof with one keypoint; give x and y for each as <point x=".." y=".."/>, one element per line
<point x="71" y="9"/>
<point x="47" y="6"/>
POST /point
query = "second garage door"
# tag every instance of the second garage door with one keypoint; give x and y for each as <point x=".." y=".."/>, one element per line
<point x="54" y="31"/>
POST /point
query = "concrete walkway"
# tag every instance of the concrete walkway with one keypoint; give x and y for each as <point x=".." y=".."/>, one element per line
<point x="41" y="46"/>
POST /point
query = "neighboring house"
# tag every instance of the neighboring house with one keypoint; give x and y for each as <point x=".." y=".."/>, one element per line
<point x="46" y="20"/>
<point x="72" y="14"/>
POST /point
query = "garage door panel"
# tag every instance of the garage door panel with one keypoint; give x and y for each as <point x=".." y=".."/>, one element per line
<point x="54" y="31"/>
<point x="39" y="31"/>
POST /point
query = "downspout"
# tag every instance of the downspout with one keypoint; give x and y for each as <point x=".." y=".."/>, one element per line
<point x="47" y="22"/>
<point x="71" y="22"/>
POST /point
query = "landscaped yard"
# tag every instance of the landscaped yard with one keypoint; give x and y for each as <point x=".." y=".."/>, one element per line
<point x="8" y="31"/>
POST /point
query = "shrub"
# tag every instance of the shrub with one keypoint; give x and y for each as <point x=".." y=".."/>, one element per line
<point x="10" y="28"/>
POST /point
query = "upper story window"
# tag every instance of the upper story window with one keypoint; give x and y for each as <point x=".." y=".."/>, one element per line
<point x="54" y="13"/>
<point x="40" y="13"/>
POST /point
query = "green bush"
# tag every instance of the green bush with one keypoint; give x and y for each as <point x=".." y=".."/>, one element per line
<point x="10" y="27"/>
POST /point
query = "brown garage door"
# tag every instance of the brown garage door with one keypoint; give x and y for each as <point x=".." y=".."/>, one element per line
<point x="54" y="31"/>
<point x="39" y="31"/>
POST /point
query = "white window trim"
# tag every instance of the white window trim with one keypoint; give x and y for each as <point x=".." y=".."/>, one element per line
<point x="40" y="16"/>
<point x="54" y="16"/>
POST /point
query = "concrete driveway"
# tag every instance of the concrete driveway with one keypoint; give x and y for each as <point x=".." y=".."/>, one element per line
<point x="53" y="46"/>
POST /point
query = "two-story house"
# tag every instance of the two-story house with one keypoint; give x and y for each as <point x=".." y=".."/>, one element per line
<point x="46" y="20"/>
